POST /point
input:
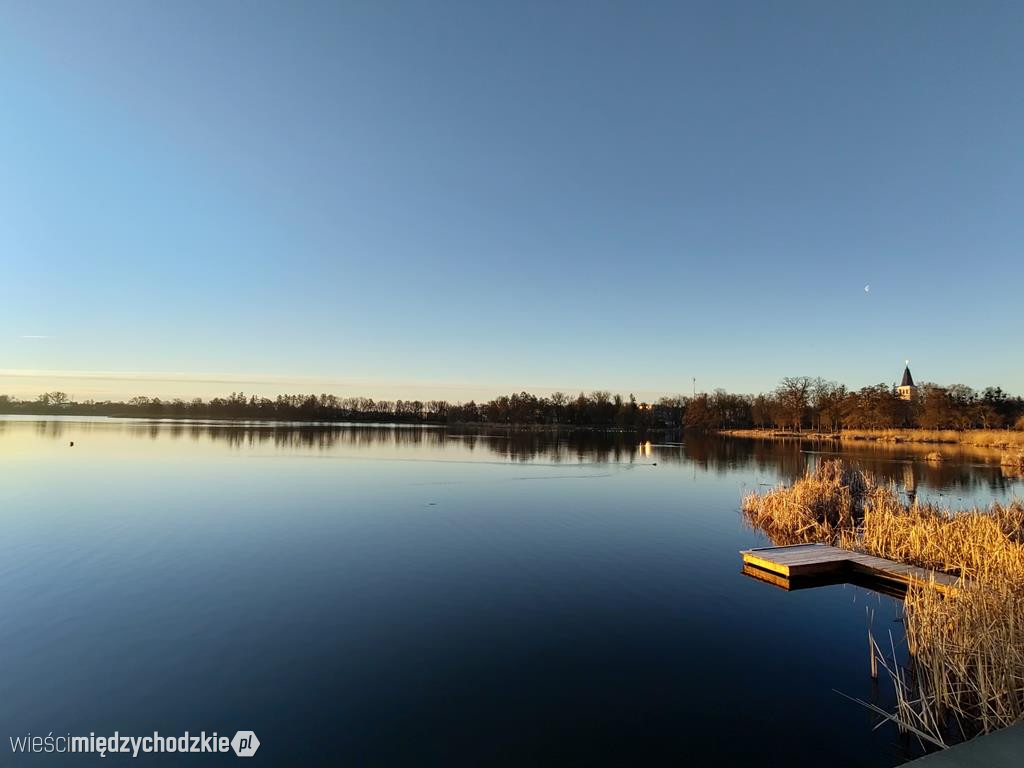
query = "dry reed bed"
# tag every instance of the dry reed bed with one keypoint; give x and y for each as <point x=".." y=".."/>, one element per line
<point x="967" y="649"/>
<point x="1006" y="439"/>
<point x="1013" y="463"/>
<point x="991" y="438"/>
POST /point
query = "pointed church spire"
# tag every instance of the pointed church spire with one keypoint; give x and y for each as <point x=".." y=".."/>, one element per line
<point x="907" y="389"/>
<point x="908" y="380"/>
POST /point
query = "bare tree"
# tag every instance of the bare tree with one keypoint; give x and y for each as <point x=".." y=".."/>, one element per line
<point x="794" y="398"/>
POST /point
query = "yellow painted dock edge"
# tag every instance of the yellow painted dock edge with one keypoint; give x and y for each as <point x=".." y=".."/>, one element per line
<point x="834" y="560"/>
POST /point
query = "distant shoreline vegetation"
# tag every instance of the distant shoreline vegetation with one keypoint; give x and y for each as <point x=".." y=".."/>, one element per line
<point x="599" y="409"/>
<point x="799" y="405"/>
<point x="979" y="438"/>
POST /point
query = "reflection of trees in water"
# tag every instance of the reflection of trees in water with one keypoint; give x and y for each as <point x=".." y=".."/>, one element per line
<point x="722" y="454"/>
<point x="552" y="446"/>
<point x="564" y="447"/>
<point x="316" y="437"/>
<point x="911" y="472"/>
<point x="786" y="459"/>
<point x="49" y="428"/>
<point x="905" y="467"/>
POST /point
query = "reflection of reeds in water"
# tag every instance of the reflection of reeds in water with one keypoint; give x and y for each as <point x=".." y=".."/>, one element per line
<point x="966" y="647"/>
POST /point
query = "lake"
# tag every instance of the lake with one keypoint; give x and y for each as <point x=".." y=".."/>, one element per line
<point x="381" y="596"/>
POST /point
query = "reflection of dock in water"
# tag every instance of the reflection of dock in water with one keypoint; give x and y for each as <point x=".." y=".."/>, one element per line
<point x="803" y="566"/>
<point x="810" y="582"/>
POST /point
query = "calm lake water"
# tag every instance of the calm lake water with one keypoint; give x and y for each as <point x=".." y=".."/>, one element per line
<point x="384" y="596"/>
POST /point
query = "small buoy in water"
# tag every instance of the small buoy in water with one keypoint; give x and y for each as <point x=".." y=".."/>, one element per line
<point x="71" y="444"/>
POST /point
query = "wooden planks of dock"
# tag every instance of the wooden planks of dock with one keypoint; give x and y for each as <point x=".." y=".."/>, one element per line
<point x="822" y="560"/>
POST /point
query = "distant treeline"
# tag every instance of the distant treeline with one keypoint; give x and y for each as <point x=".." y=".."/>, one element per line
<point x="798" y="403"/>
<point x="596" y="409"/>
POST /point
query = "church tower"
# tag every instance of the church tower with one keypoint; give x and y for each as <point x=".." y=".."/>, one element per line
<point x="906" y="389"/>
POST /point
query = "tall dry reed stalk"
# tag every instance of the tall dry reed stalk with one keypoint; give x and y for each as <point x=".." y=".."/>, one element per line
<point x="966" y="647"/>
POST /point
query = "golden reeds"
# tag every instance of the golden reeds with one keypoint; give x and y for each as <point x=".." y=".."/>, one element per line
<point x="967" y="646"/>
<point x="1012" y="462"/>
<point x="968" y="652"/>
<point x="816" y="508"/>
<point x="996" y="438"/>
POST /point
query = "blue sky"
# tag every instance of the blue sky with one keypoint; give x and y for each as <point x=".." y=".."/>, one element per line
<point x="459" y="198"/>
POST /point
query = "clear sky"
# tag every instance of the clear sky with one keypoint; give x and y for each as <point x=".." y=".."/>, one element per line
<point x="458" y="198"/>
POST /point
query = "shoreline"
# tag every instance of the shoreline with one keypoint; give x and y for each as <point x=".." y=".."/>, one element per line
<point x="278" y="421"/>
<point x="980" y="438"/>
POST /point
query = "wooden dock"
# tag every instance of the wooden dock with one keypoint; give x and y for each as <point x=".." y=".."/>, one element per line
<point x="999" y="749"/>
<point x="796" y="565"/>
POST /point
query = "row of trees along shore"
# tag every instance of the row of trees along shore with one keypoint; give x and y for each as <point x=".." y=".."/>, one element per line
<point x="594" y="409"/>
<point x="798" y="403"/>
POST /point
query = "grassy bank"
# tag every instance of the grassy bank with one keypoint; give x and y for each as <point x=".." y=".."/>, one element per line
<point x="982" y="438"/>
<point x="967" y="649"/>
<point x="992" y="446"/>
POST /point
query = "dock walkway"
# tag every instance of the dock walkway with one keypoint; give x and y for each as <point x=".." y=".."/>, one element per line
<point x="1001" y="749"/>
<point x="782" y="564"/>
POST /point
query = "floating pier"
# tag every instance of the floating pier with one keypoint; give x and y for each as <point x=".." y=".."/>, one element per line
<point x="808" y="565"/>
<point x="999" y="749"/>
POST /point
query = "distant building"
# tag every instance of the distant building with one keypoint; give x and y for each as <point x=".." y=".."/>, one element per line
<point x="906" y="389"/>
